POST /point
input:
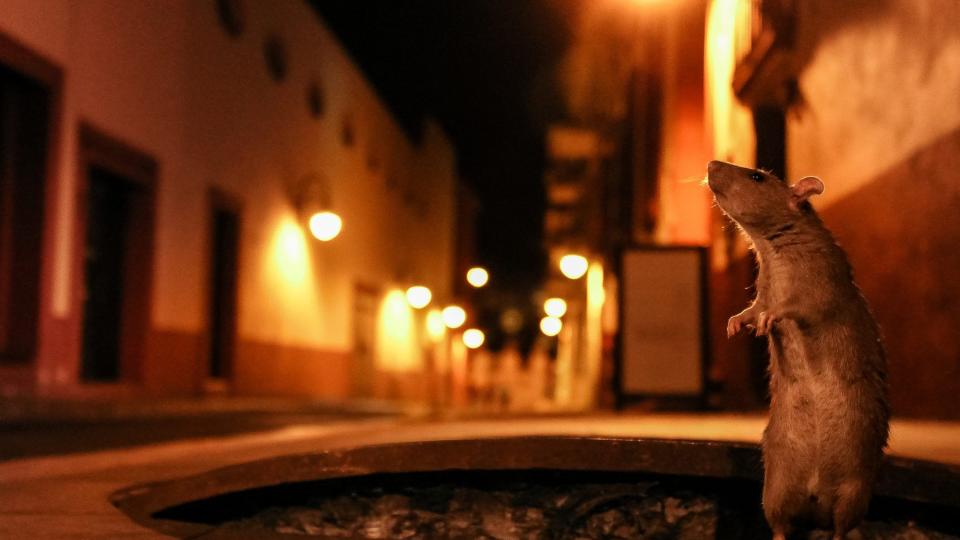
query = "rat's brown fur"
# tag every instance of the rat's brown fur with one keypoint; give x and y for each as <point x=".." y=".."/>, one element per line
<point x="828" y="410"/>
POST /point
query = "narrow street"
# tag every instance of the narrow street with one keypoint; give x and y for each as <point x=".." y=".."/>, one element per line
<point x="39" y="437"/>
<point x="255" y="254"/>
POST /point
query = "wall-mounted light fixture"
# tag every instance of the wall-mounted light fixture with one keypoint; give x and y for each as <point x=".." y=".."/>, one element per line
<point x="316" y="209"/>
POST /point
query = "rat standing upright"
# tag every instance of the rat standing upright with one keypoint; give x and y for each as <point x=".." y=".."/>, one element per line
<point x="828" y="423"/>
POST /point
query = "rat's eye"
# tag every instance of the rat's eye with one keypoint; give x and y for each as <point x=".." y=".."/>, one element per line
<point x="756" y="177"/>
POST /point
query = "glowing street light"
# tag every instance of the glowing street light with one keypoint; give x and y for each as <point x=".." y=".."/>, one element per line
<point x="555" y="307"/>
<point x="325" y="226"/>
<point x="473" y="338"/>
<point x="454" y="316"/>
<point x="551" y="326"/>
<point x="573" y="266"/>
<point x="477" y="276"/>
<point x="419" y="296"/>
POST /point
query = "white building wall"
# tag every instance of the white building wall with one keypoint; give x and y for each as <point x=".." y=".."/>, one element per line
<point x="164" y="77"/>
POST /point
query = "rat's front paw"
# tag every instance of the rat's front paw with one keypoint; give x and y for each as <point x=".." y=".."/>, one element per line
<point x="738" y="322"/>
<point x="765" y="322"/>
<point x="734" y="325"/>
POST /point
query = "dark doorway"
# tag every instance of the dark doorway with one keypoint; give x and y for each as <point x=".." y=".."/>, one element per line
<point x="117" y="257"/>
<point x="109" y="213"/>
<point x="224" y="258"/>
<point x="24" y="120"/>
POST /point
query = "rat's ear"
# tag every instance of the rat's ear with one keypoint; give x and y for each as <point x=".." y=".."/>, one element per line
<point x="804" y="189"/>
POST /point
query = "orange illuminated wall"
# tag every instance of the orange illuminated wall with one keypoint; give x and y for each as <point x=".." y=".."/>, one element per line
<point x="685" y="203"/>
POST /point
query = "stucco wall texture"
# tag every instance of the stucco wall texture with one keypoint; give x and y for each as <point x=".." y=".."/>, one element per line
<point x="164" y="77"/>
<point x="880" y="123"/>
<point x="878" y="119"/>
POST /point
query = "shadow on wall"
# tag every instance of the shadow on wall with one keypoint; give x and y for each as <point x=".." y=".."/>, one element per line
<point x="821" y="19"/>
<point x="901" y="231"/>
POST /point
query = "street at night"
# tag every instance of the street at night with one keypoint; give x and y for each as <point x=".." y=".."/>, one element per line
<point x="512" y="269"/>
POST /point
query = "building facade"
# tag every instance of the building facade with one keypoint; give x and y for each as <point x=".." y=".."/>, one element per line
<point x="160" y="159"/>
<point x="864" y="95"/>
<point x="623" y="173"/>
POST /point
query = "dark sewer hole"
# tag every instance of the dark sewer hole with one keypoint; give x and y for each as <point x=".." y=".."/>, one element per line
<point x="529" y="504"/>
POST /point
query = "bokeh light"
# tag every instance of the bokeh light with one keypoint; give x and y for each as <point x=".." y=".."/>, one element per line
<point x="477" y="276"/>
<point x="454" y="316"/>
<point x="551" y="326"/>
<point x="573" y="266"/>
<point x="511" y="321"/>
<point x="325" y="226"/>
<point x="555" y="307"/>
<point x="419" y="296"/>
<point x="473" y="338"/>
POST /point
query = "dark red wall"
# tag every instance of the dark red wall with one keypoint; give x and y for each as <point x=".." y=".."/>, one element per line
<point x="902" y="233"/>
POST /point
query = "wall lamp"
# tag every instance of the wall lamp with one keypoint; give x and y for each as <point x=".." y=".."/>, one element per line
<point x="314" y="206"/>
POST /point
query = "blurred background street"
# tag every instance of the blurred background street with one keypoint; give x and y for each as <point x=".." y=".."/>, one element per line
<point x="234" y="229"/>
<point x="466" y="208"/>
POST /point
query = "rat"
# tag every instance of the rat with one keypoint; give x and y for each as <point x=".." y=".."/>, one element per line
<point x="829" y="414"/>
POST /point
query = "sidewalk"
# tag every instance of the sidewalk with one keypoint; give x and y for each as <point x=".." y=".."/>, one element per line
<point x="66" y="496"/>
<point x="44" y="410"/>
<point x="30" y="428"/>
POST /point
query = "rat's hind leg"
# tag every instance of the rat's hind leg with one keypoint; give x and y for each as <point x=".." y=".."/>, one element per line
<point x="777" y="518"/>
<point x="778" y="503"/>
<point x="849" y="507"/>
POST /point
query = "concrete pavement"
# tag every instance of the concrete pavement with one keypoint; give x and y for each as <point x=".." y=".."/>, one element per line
<point x="34" y="427"/>
<point x="66" y="496"/>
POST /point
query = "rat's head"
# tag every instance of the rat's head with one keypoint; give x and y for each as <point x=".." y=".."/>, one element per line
<point x="758" y="200"/>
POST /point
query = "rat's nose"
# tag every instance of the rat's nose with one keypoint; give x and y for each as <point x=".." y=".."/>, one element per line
<point x="714" y="166"/>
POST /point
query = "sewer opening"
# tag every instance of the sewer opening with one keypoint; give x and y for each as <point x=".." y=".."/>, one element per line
<point x="544" y="504"/>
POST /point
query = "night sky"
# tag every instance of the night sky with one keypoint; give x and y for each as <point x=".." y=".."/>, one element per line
<point x="485" y="70"/>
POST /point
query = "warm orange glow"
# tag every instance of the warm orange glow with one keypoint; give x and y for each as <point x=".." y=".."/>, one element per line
<point x="290" y="253"/>
<point x="454" y="316"/>
<point x="551" y="326"/>
<point x="473" y="338"/>
<point x="573" y="266"/>
<point x="593" y="331"/>
<point x="729" y="121"/>
<point x="595" y="293"/>
<point x="325" y="226"/>
<point x="435" y="326"/>
<point x="477" y="276"/>
<point x="511" y="321"/>
<point x="555" y="307"/>
<point x="419" y="296"/>
<point x="396" y="342"/>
